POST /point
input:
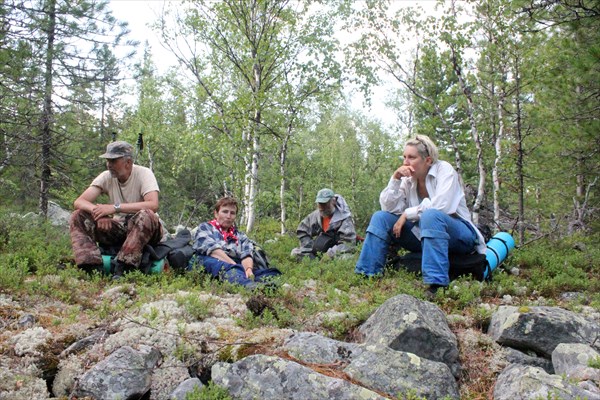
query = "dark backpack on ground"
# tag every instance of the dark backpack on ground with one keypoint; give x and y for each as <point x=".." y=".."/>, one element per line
<point x="474" y="264"/>
<point x="263" y="271"/>
<point x="178" y="251"/>
<point x="261" y="261"/>
<point x="324" y="241"/>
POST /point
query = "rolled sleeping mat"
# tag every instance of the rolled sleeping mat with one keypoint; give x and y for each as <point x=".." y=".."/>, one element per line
<point x="157" y="265"/>
<point x="497" y="249"/>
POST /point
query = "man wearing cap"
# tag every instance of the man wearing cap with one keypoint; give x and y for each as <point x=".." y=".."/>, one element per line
<point x="327" y="230"/>
<point x="128" y="220"/>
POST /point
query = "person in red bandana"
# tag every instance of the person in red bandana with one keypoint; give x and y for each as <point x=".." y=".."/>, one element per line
<point x="224" y="251"/>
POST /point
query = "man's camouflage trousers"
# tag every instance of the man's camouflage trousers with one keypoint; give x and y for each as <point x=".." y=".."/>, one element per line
<point x="131" y="234"/>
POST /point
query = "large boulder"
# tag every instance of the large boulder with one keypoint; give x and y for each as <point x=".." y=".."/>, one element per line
<point x="522" y="382"/>
<point x="541" y="329"/>
<point x="268" y="377"/>
<point x="57" y="215"/>
<point x="572" y="360"/>
<point x="125" y="374"/>
<point x="405" y="323"/>
<point x="397" y="372"/>
<point x="376" y="366"/>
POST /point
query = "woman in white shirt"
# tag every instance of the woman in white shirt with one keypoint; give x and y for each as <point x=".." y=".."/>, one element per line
<point x="423" y="210"/>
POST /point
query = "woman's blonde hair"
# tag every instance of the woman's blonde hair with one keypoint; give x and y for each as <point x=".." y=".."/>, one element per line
<point x="425" y="147"/>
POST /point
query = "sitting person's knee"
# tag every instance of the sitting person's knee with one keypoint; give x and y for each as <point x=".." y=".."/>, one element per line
<point x="431" y="215"/>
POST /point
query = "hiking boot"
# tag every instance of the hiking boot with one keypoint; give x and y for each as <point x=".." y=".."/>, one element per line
<point x="118" y="268"/>
<point x="432" y="290"/>
<point x="91" y="268"/>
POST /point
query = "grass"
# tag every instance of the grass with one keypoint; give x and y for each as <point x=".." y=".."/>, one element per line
<point x="36" y="267"/>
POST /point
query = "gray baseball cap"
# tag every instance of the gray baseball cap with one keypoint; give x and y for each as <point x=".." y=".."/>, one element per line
<point x="117" y="150"/>
<point x="324" y="195"/>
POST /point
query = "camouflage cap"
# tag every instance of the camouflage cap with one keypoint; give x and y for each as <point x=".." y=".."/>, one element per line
<point x="324" y="195"/>
<point x="117" y="150"/>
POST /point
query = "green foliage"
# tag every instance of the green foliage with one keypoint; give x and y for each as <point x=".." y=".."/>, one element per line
<point x="31" y="244"/>
<point x="594" y="362"/>
<point x="209" y="392"/>
<point x="199" y="309"/>
<point x="324" y="294"/>
<point x="556" y="266"/>
<point x="13" y="271"/>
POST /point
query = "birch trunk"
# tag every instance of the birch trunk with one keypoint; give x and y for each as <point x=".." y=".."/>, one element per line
<point x="474" y="135"/>
<point x="253" y="187"/>
<point x="282" y="173"/>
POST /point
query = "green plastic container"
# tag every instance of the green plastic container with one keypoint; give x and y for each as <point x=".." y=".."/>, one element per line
<point x="158" y="266"/>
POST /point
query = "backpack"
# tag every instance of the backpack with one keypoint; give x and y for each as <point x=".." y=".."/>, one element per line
<point x="177" y="251"/>
<point x="474" y="264"/>
<point x="261" y="261"/>
<point x="324" y="241"/>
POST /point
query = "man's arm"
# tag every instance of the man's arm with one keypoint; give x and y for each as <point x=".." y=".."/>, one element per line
<point x="86" y="201"/>
<point x="305" y="231"/>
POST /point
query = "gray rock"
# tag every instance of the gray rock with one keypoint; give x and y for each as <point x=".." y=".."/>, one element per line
<point x="514" y="356"/>
<point x="314" y="348"/>
<point x="267" y="377"/>
<point x="400" y="373"/>
<point x="407" y="324"/>
<point x="521" y="382"/>
<point x="572" y="360"/>
<point x="377" y="366"/>
<point x="184" y="388"/>
<point x="57" y="215"/>
<point x="541" y="328"/>
<point x="124" y="374"/>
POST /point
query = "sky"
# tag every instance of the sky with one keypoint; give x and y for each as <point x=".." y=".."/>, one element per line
<point x="140" y="13"/>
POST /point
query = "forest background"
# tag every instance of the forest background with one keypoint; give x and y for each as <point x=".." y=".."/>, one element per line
<point x="256" y="105"/>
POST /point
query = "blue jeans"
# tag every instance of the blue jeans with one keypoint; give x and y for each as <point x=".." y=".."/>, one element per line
<point x="440" y="234"/>
<point x="233" y="273"/>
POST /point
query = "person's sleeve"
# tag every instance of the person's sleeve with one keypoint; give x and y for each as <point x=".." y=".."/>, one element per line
<point x="346" y="238"/>
<point x="394" y="198"/>
<point x="246" y="246"/>
<point x="347" y="232"/>
<point x="149" y="183"/>
<point x="101" y="181"/>
<point x="305" y="232"/>
<point x="205" y="240"/>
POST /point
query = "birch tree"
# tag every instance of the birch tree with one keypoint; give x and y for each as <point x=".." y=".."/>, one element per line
<point x="239" y="54"/>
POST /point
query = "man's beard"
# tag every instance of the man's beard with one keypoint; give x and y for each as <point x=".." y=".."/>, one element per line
<point x="327" y="213"/>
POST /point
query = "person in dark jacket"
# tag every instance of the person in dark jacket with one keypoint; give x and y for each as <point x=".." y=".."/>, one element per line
<point x="327" y="230"/>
